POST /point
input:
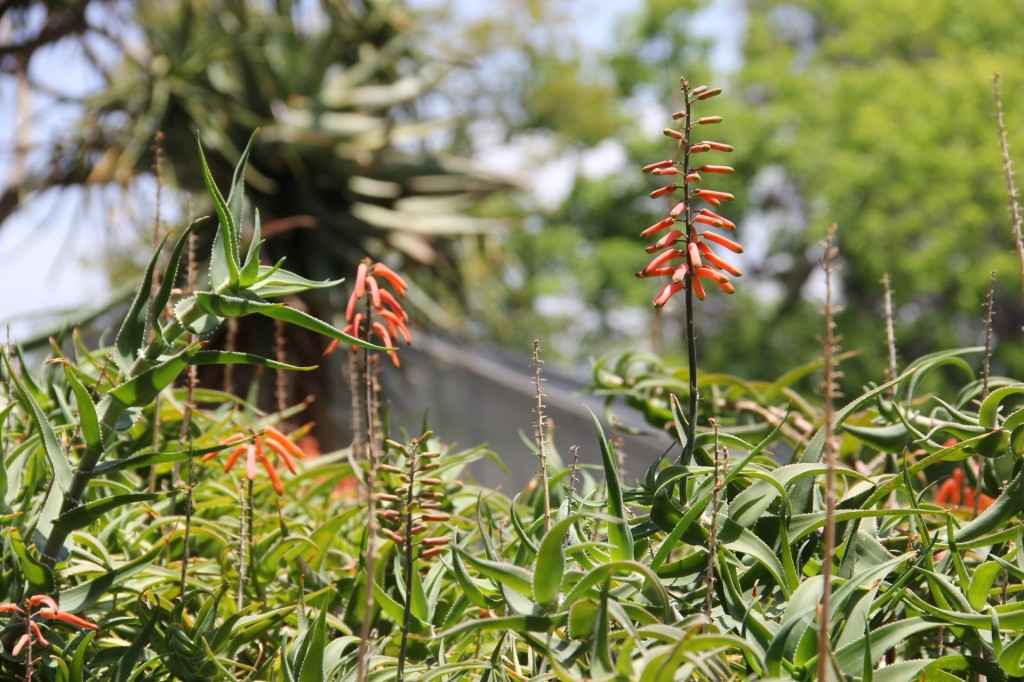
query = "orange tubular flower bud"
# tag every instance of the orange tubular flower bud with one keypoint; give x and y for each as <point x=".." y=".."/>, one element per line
<point x="284" y="441"/>
<point x="275" y="480"/>
<point x="708" y="220"/>
<point x="669" y="239"/>
<point x="707" y="120"/>
<point x="657" y="227"/>
<point x="435" y="542"/>
<point x="697" y="90"/>
<point x="334" y="344"/>
<point x="714" y="194"/>
<point x="433" y="551"/>
<point x="234" y="456"/>
<point x="717" y="169"/>
<point x="694" y="255"/>
<point x="727" y="224"/>
<point x="22" y="641"/>
<point x="708" y="94"/>
<point x="393" y="278"/>
<point x="723" y="241"/>
<point x="700" y="147"/>
<point x="391" y="302"/>
<point x="651" y="167"/>
<point x="360" y="287"/>
<point x="657" y="272"/>
<point x="395" y="324"/>
<point x="710" y="257"/>
<point x="250" y="462"/>
<point x="371" y="283"/>
<point x="668" y="292"/>
<point x="10" y="608"/>
<point x="678" y="115"/>
<point x="382" y="332"/>
<point x="698" y="288"/>
<point x="284" y="454"/>
<point x="673" y="133"/>
<point x="679" y="274"/>
<point x="659" y="260"/>
<point x="662" y="191"/>
<point x="693" y="177"/>
<point x="666" y="171"/>
<point x="677" y="210"/>
<point x="350" y="308"/>
<point x="718" y="146"/>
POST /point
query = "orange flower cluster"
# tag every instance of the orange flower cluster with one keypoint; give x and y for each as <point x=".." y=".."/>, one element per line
<point x="270" y="438"/>
<point x="691" y="241"/>
<point x="955" y="490"/>
<point x="50" y="611"/>
<point x="383" y="305"/>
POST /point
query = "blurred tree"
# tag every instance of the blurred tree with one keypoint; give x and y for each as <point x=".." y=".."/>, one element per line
<point x="876" y="115"/>
<point x="344" y="149"/>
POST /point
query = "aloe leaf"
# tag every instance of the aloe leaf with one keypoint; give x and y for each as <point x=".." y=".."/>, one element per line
<point x="251" y="267"/>
<point x="34" y="571"/>
<point x="1009" y="503"/>
<point x="507" y="623"/>
<point x="510" y="575"/>
<point x="132" y="335"/>
<point x="550" y="566"/>
<point x="851" y="657"/>
<point x="231" y="306"/>
<point x="54" y="453"/>
<point x="140" y="390"/>
<point x="618" y="531"/>
<point x="170" y="277"/>
<point x="467" y="584"/>
<point x="739" y="539"/>
<point x="224" y="258"/>
<point x="273" y="281"/>
<point x="223" y="357"/>
<point x="88" y="420"/>
<point x="311" y="665"/>
<point x="984" y="577"/>
<point x="85" y="514"/>
<point x="84" y="595"/>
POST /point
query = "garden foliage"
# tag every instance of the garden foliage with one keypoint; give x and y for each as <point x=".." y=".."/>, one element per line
<point x="128" y="554"/>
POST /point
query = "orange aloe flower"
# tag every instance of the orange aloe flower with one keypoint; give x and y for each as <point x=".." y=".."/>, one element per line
<point x="392" y="318"/>
<point x="48" y="610"/>
<point x="955" y="491"/>
<point x="687" y="242"/>
<point x="255" y="455"/>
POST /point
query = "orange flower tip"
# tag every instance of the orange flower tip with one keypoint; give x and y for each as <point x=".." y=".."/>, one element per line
<point x="723" y="241"/>
<point x="717" y="169"/>
<point x="679" y="274"/>
<point x="678" y="115"/>
<point x="727" y="287"/>
<point x="663" y="191"/>
<point x="677" y="210"/>
<point x="331" y="347"/>
<point x="668" y="292"/>
<point x="693" y="177"/>
<point x="708" y="94"/>
<point x="668" y="240"/>
<point x="714" y="194"/>
<point x="694" y="255"/>
<point x="673" y="133"/>
<point x="698" y="289"/>
<point x="708" y="120"/>
<point x="718" y="146"/>
<point x="360" y="286"/>
<point x="431" y="552"/>
<point x="435" y="542"/>
<point x="651" y="167"/>
<point x="666" y="171"/>
<point x="699" y="148"/>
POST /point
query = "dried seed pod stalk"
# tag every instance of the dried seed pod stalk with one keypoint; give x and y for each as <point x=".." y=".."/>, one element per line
<point x="410" y="508"/>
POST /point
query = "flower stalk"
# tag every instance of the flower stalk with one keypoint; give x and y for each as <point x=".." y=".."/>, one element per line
<point x="685" y="255"/>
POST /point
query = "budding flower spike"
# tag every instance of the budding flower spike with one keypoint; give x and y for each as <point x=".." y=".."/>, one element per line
<point x="689" y="240"/>
<point x="253" y="449"/>
<point x="377" y="302"/>
<point x="41" y="606"/>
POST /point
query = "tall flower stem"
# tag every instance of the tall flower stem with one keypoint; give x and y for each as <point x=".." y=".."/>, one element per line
<point x="691" y="334"/>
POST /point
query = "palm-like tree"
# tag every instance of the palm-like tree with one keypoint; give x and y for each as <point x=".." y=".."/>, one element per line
<point x="334" y="87"/>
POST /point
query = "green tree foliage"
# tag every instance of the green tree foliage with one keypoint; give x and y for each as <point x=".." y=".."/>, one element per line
<point x="873" y="115"/>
